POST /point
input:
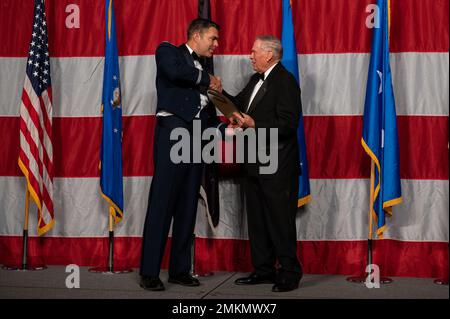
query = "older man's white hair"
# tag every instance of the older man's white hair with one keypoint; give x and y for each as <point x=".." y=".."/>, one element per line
<point x="271" y="43"/>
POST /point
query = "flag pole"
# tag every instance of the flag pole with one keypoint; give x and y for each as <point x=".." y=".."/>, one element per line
<point x="25" y="229"/>
<point x="24" y="266"/>
<point x="111" y="240"/>
<point x="193" y="272"/>
<point x="204" y="11"/>
<point x="363" y="279"/>
<point x="110" y="269"/>
<point x="371" y="200"/>
<point x="443" y="280"/>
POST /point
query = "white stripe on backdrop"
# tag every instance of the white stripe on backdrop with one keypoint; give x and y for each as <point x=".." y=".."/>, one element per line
<point x="332" y="84"/>
<point x="338" y="211"/>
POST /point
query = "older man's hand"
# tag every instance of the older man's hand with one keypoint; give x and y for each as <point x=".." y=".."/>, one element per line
<point x="236" y="120"/>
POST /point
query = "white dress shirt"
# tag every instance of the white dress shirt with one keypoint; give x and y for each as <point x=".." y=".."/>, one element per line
<point x="258" y="86"/>
<point x="203" y="98"/>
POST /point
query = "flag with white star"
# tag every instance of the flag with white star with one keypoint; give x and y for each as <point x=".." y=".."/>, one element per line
<point x="36" y="147"/>
<point x="380" y="136"/>
<point x="111" y="178"/>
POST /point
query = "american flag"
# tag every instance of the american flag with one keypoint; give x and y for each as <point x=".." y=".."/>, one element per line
<point x="36" y="150"/>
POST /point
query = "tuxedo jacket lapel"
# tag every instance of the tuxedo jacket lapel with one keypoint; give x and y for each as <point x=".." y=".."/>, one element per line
<point x="187" y="55"/>
<point x="263" y="89"/>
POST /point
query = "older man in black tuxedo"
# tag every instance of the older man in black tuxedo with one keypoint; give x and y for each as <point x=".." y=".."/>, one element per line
<point x="271" y="99"/>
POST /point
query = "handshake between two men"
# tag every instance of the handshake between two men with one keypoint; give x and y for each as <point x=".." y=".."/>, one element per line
<point x="271" y="203"/>
<point x="238" y="120"/>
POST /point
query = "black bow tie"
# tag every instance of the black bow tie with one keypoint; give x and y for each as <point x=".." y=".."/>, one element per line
<point x="260" y="76"/>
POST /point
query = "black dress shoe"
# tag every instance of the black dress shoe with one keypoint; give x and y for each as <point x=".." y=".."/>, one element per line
<point x="255" y="279"/>
<point x="184" y="280"/>
<point x="285" y="285"/>
<point x="151" y="283"/>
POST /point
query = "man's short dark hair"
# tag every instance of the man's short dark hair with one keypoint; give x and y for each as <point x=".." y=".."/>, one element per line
<point x="200" y="25"/>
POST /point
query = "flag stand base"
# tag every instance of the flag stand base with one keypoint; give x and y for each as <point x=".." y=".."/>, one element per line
<point x="110" y="271"/>
<point x="24" y="267"/>
<point x="194" y="273"/>
<point x="441" y="281"/>
<point x="202" y="274"/>
<point x="362" y="279"/>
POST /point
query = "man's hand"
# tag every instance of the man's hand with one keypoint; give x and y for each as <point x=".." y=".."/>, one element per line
<point x="248" y="121"/>
<point x="236" y="120"/>
<point x="241" y="120"/>
<point x="215" y="83"/>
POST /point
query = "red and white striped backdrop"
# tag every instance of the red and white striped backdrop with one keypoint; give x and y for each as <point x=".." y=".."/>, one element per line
<point x="334" y="47"/>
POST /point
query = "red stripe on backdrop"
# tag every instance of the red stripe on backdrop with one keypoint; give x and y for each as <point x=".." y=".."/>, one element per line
<point x="424" y="146"/>
<point x="333" y="144"/>
<point x="424" y="26"/>
<point x="16" y="25"/>
<point x="241" y="21"/>
<point x="77" y="146"/>
<point x="322" y="26"/>
<point x="395" y="258"/>
<point x="330" y="26"/>
<point x="141" y="25"/>
<point x="334" y="147"/>
<point x="339" y="26"/>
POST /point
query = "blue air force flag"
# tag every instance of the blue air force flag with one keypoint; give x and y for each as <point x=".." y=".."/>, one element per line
<point x="290" y="62"/>
<point x="111" y="180"/>
<point x="380" y="138"/>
